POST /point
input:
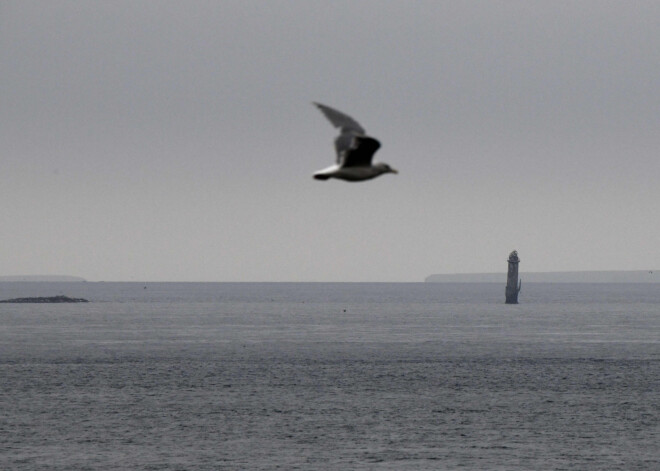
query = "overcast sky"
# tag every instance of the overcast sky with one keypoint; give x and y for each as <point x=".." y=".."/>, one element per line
<point x="175" y="141"/>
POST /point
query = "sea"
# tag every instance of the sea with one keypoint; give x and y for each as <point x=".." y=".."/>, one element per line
<point x="330" y="376"/>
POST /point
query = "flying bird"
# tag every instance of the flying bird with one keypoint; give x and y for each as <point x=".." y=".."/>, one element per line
<point x="354" y="150"/>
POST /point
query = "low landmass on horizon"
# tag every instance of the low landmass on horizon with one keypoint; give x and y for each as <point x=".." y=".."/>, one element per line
<point x="611" y="276"/>
<point x="41" y="278"/>
<point x="614" y="276"/>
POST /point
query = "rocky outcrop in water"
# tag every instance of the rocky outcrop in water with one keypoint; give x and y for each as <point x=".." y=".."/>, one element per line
<point x="50" y="299"/>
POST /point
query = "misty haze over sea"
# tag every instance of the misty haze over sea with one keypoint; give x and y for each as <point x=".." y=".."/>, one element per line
<point x="202" y="376"/>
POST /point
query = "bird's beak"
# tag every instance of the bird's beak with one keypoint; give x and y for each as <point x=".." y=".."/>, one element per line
<point x="394" y="171"/>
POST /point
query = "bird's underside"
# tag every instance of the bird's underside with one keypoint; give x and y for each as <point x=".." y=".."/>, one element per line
<point x="349" y="174"/>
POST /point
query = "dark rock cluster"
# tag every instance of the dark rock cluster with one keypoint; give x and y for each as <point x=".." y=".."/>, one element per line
<point x="50" y="299"/>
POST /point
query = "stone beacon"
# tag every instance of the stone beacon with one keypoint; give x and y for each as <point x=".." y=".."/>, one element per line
<point x="512" y="283"/>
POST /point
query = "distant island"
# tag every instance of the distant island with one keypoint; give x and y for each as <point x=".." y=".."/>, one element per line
<point x="49" y="299"/>
<point x="632" y="276"/>
<point x="49" y="278"/>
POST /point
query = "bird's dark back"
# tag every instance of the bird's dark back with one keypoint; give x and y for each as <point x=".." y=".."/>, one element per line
<point x="361" y="153"/>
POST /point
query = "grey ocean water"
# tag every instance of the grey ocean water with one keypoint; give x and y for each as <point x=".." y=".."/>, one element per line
<point x="358" y="376"/>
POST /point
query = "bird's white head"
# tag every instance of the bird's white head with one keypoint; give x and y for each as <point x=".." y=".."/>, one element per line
<point x="384" y="168"/>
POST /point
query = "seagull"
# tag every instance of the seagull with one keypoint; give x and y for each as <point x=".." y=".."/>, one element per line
<point x="354" y="150"/>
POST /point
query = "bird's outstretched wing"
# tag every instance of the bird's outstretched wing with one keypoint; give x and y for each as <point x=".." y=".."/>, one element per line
<point x="340" y="120"/>
<point x="360" y="153"/>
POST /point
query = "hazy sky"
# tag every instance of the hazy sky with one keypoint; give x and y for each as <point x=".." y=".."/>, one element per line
<point x="175" y="141"/>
